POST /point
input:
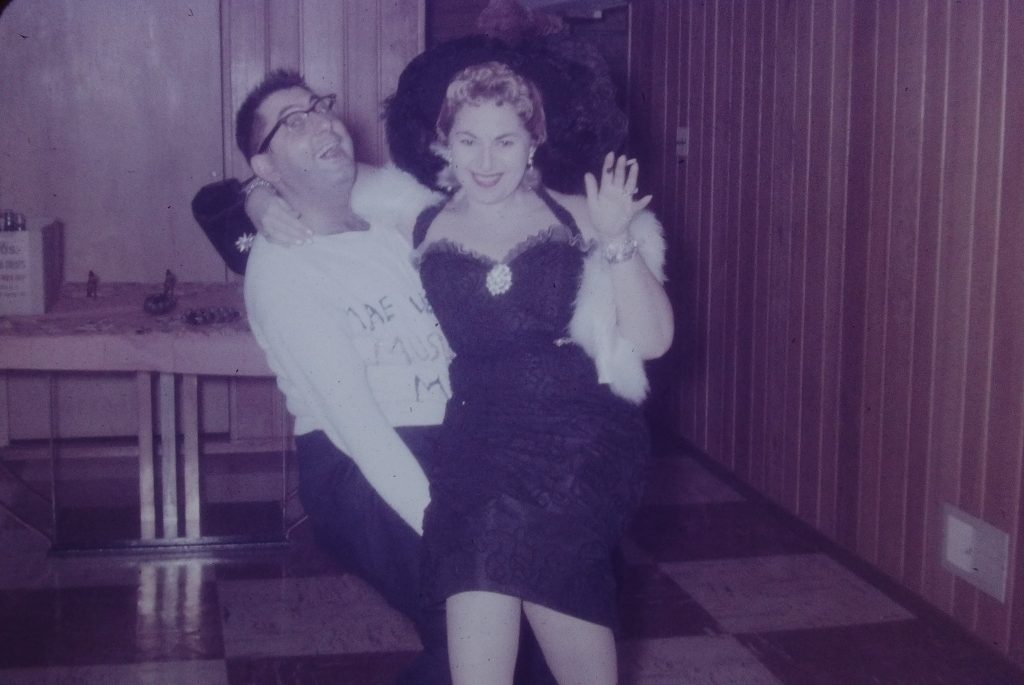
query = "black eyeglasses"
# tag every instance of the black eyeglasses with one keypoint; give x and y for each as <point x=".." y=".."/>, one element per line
<point x="298" y="121"/>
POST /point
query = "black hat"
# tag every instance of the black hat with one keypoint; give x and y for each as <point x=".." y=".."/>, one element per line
<point x="583" y="120"/>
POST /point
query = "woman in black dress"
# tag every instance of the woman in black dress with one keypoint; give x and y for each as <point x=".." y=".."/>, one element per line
<point x="543" y="451"/>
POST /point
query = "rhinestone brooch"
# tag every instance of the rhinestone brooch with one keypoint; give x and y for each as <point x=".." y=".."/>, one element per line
<point x="499" y="279"/>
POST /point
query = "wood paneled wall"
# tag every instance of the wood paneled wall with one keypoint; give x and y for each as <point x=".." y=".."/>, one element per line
<point x="115" y="113"/>
<point x="110" y="116"/>
<point x="848" y="264"/>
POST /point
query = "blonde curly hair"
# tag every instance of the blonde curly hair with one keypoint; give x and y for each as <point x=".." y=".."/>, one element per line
<point x="498" y="83"/>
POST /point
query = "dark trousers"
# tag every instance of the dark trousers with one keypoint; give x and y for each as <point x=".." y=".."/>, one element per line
<point x="366" y="536"/>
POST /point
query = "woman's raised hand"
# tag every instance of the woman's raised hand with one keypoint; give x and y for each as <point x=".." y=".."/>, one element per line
<point x="274" y="218"/>
<point x="613" y="204"/>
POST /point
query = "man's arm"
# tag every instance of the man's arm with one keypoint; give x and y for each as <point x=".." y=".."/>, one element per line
<point x="317" y="363"/>
<point x="219" y="209"/>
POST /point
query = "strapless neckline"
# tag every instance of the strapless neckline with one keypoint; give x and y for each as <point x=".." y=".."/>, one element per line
<point x="556" y="233"/>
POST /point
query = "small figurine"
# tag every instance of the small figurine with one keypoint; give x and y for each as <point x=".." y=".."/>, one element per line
<point x="170" y="280"/>
<point x="162" y="303"/>
<point x="92" y="284"/>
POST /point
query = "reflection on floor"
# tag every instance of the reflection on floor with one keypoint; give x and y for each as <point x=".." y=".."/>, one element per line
<point x="716" y="589"/>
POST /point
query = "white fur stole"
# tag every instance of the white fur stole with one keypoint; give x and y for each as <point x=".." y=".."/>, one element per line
<point x="391" y="197"/>
<point x="594" y="327"/>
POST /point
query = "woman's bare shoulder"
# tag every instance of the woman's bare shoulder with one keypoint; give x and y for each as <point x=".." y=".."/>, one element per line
<point x="447" y="223"/>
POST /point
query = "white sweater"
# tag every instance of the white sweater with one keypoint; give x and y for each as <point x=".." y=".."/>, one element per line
<point x="356" y="349"/>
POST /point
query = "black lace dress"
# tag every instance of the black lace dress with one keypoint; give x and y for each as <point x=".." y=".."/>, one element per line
<point x="538" y="465"/>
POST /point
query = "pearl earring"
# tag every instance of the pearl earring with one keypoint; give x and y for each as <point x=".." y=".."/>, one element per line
<point x="531" y="177"/>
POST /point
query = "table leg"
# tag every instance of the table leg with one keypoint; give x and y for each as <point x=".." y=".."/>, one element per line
<point x="168" y="455"/>
<point x="190" y="452"/>
<point x="147" y="474"/>
<point x="51" y="379"/>
<point x="5" y="426"/>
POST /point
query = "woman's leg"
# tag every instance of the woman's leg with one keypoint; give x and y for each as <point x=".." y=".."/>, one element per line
<point x="579" y="652"/>
<point x="483" y="637"/>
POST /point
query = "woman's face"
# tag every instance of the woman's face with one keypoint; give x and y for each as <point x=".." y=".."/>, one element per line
<point x="490" y="149"/>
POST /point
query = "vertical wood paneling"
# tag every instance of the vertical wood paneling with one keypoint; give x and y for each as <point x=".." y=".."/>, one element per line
<point x="677" y="28"/>
<point x="325" y="56"/>
<point x="838" y="151"/>
<point x="852" y="218"/>
<point x="94" y="98"/>
<point x="691" y="345"/>
<point x="779" y="235"/>
<point x="657" y="107"/>
<point x="1004" y="477"/>
<point x="746" y="274"/>
<point x="674" y="205"/>
<point x="243" y="63"/>
<point x="762" y="248"/>
<point x="720" y="127"/>
<point x="658" y="117"/>
<point x="900" y="277"/>
<point x="732" y="26"/>
<point x="819" y="131"/>
<point x="919" y="523"/>
<point x="703" y="127"/>
<point x="797" y="235"/>
<point x="954" y="272"/>
<point x="984" y="236"/>
<point x="851" y="378"/>
<point x="284" y="34"/>
<point x="113" y="119"/>
<point x="876" y="295"/>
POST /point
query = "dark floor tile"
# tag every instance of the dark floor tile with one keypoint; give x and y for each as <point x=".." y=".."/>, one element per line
<point x="85" y="527"/>
<point x="898" y="653"/>
<point x="258" y="519"/>
<point x="90" y="527"/>
<point x="718" y="530"/>
<point x="364" y="669"/>
<point x="301" y="557"/>
<point x="652" y="605"/>
<point x="173" y="618"/>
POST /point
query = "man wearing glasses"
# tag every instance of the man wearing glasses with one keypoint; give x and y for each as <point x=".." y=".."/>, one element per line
<point x="346" y="330"/>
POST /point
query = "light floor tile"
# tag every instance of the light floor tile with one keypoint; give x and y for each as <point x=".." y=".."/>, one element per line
<point x="790" y="592"/>
<point x="162" y="673"/>
<point x="684" y="481"/>
<point x="309" y="616"/>
<point x="699" y="660"/>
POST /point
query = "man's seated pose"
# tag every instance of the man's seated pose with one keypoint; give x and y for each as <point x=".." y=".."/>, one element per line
<point x="356" y="350"/>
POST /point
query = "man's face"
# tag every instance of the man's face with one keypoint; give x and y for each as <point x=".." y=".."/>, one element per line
<point x="317" y="150"/>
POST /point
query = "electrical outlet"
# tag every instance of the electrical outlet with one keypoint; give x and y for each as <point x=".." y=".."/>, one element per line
<point x="976" y="551"/>
<point x="959" y="544"/>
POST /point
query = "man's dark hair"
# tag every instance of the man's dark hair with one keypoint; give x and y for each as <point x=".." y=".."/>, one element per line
<point x="249" y="123"/>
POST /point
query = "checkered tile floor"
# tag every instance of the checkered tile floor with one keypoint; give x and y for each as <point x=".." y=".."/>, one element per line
<point x="716" y="589"/>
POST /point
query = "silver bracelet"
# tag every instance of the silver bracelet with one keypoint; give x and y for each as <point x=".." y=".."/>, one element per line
<point x="619" y="251"/>
<point x="254" y="183"/>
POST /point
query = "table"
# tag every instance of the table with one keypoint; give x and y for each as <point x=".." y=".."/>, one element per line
<point x="111" y="332"/>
